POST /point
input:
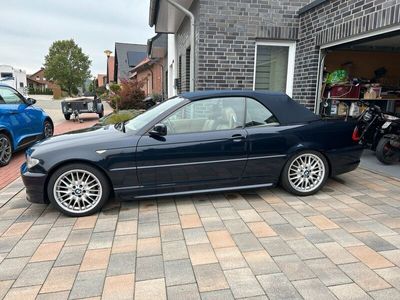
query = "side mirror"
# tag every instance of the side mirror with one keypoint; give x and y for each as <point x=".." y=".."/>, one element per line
<point x="31" y="101"/>
<point x="159" y="130"/>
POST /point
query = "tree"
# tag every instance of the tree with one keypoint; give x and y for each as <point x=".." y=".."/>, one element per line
<point x="67" y="65"/>
<point x="127" y="95"/>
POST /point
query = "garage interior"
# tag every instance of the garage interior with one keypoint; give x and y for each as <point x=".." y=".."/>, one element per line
<point x="367" y="70"/>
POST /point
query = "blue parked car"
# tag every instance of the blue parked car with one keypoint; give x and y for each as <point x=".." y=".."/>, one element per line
<point x="21" y="123"/>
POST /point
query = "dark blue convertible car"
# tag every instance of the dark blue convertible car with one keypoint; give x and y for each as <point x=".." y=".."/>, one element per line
<point x="199" y="142"/>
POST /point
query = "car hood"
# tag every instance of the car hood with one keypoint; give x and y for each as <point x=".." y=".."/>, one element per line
<point x="94" y="138"/>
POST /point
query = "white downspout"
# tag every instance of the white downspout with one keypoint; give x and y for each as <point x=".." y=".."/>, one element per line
<point x="192" y="41"/>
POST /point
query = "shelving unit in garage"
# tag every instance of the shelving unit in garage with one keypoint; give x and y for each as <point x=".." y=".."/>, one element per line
<point x="372" y="68"/>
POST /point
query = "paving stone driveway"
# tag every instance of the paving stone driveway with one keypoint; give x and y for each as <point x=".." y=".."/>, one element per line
<point x="342" y="243"/>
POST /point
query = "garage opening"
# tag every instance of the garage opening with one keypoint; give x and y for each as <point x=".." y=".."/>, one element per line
<point x="367" y="70"/>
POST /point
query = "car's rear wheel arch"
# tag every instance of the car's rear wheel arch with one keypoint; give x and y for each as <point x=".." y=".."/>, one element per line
<point x="75" y="161"/>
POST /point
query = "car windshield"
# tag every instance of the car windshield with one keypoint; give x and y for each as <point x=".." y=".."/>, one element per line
<point x="142" y="120"/>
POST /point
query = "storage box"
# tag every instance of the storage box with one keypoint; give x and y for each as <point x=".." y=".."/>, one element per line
<point x="345" y="91"/>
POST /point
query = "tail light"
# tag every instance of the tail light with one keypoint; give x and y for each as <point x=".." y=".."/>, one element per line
<point x="356" y="135"/>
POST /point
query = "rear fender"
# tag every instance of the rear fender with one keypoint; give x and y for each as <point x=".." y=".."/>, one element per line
<point x="5" y="131"/>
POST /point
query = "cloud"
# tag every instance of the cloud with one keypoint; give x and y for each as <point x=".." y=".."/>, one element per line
<point x="28" y="28"/>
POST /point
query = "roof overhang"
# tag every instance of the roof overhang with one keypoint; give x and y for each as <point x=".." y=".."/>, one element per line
<point x="165" y="17"/>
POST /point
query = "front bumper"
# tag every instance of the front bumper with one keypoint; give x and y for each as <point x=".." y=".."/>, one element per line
<point x="35" y="185"/>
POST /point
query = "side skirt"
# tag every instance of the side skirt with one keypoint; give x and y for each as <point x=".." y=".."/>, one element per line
<point x="244" y="187"/>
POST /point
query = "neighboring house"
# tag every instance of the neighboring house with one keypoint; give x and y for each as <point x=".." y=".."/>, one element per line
<point x="37" y="83"/>
<point x="152" y="71"/>
<point x="127" y="56"/>
<point x="13" y="77"/>
<point x="101" y="80"/>
<point x="275" y="45"/>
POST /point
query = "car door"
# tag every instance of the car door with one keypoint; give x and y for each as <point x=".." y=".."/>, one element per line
<point x="268" y="144"/>
<point x="205" y="147"/>
<point x="24" y="121"/>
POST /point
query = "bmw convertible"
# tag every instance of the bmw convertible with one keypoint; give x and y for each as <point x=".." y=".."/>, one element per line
<point x="200" y="142"/>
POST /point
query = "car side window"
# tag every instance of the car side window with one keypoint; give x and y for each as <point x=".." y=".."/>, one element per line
<point x="207" y="115"/>
<point x="9" y="96"/>
<point x="258" y="115"/>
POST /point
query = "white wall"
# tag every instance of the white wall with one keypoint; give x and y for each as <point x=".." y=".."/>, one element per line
<point x="172" y="65"/>
<point x="19" y="78"/>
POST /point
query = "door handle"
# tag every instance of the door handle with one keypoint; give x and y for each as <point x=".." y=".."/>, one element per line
<point x="237" y="138"/>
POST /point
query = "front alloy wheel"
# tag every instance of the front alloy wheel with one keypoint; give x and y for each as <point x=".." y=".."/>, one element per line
<point x="78" y="190"/>
<point x="5" y="150"/>
<point x="305" y="173"/>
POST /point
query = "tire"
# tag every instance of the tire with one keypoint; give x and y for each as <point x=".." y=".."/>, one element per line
<point x="73" y="198"/>
<point x="6" y="150"/>
<point x="381" y="152"/>
<point x="48" y="129"/>
<point x="67" y="117"/>
<point x="303" y="168"/>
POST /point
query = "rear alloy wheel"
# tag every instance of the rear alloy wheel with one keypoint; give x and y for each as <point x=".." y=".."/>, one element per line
<point x="78" y="190"/>
<point x="48" y="129"/>
<point x="5" y="150"/>
<point x="385" y="152"/>
<point x="305" y="173"/>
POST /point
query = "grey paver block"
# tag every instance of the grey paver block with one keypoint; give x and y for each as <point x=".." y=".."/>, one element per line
<point x="293" y="267"/>
<point x="88" y="284"/>
<point x="287" y="232"/>
<point x="171" y="233"/>
<point x="101" y="240"/>
<point x="34" y="274"/>
<point x="275" y="246"/>
<point x="373" y="241"/>
<point x="315" y="235"/>
<point x="349" y="291"/>
<point x="230" y="258"/>
<point x="58" y="234"/>
<point x="79" y="237"/>
<point x="247" y="242"/>
<point x="149" y="267"/>
<point x="71" y="255"/>
<point x="278" y="287"/>
<point x="108" y="224"/>
<point x="183" y="292"/>
<point x="343" y="238"/>
<point x="227" y="213"/>
<point x="53" y="296"/>
<point x="327" y="272"/>
<point x="195" y="236"/>
<point x="304" y="249"/>
<point x="391" y="275"/>
<point x="243" y="283"/>
<point x="169" y="218"/>
<point x="121" y="263"/>
<point x="236" y="226"/>
<point x="313" y="289"/>
<point x="178" y="272"/>
<point x="210" y="277"/>
<point x="212" y="223"/>
<point x="174" y="250"/>
<point x="150" y="289"/>
<point x="148" y="216"/>
<point x="148" y="230"/>
<point x="37" y="232"/>
<point x="273" y="218"/>
<point x="12" y="267"/>
<point x="24" y="248"/>
<point x="367" y="279"/>
<point x="336" y="253"/>
<point x="8" y="243"/>
<point x="217" y="295"/>
<point x="386" y="294"/>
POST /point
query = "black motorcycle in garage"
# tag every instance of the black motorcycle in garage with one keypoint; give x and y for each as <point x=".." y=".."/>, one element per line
<point x="379" y="132"/>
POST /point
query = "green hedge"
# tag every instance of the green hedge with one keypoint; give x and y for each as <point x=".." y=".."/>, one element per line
<point x="33" y="91"/>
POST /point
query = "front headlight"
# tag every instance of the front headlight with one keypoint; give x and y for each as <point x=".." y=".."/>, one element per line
<point x="31" y="162"/>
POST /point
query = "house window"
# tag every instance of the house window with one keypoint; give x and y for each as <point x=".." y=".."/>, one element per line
<point x="179" y="83"/>
<point x="274" y="66"/>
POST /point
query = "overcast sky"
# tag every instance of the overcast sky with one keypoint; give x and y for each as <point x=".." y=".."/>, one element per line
<point x="28" y="28"/>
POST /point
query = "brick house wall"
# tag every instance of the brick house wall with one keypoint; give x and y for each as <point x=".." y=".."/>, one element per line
<point x="332" y="21"/>
<point x="226" y="35"/>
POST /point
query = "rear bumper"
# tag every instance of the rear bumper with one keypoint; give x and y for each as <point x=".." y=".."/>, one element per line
<point x="345" y="160"/>
<point x="35" y="185"/>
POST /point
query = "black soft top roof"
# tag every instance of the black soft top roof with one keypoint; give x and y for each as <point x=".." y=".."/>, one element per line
<point x="281" y="105"/>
